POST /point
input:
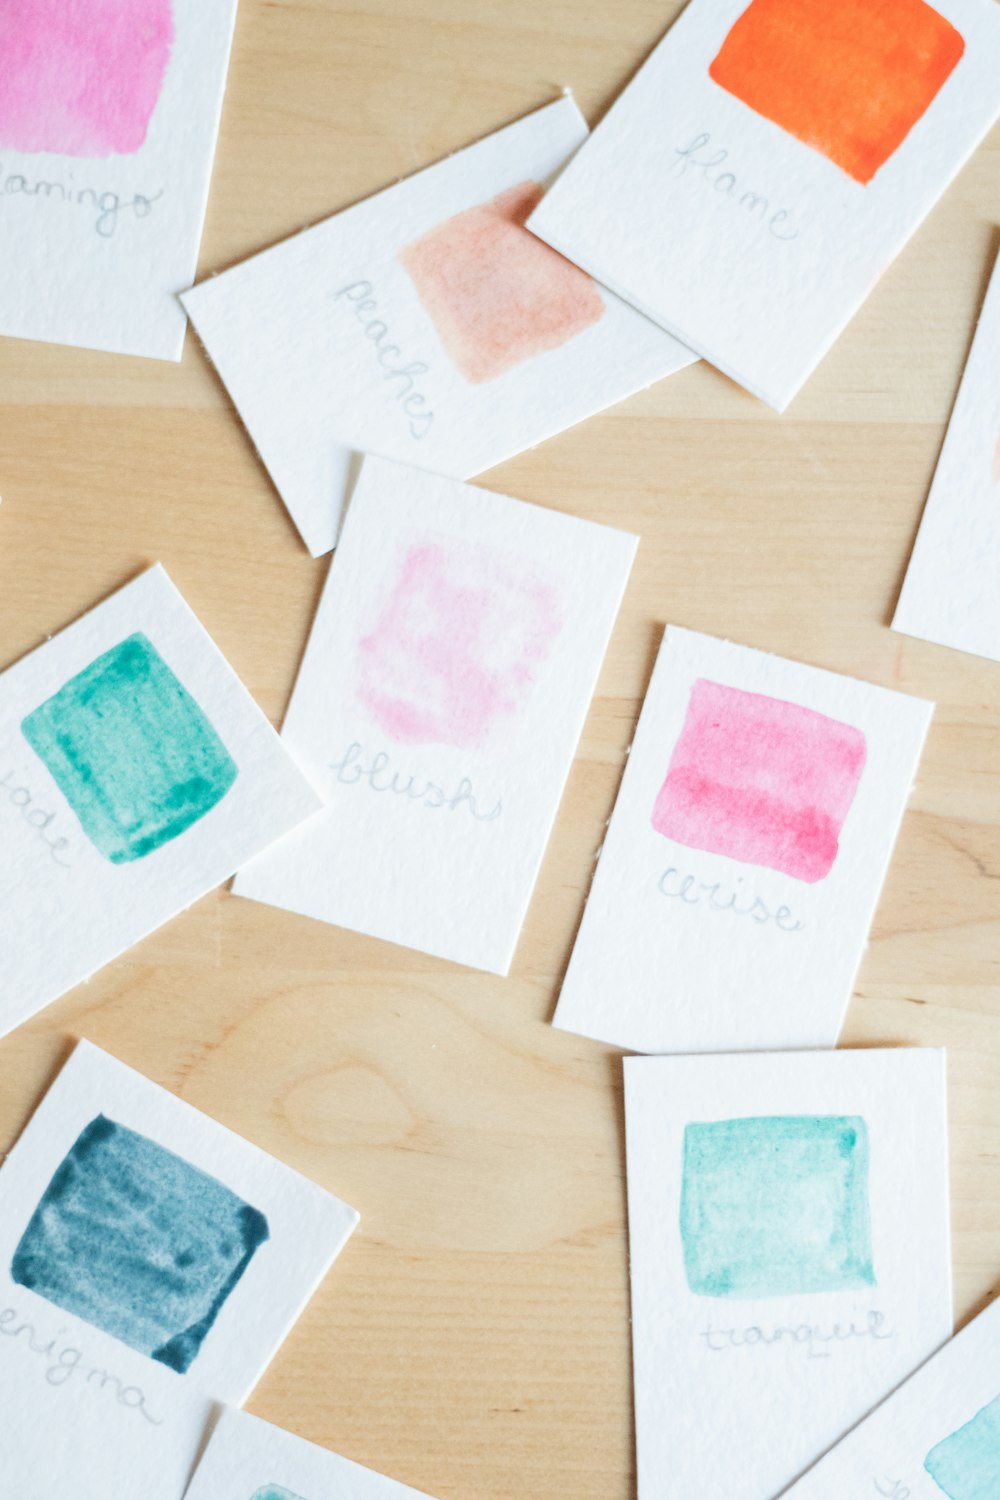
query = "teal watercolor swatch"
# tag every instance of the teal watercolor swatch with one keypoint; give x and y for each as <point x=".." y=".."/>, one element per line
<point x="131" y="751"/>
<point x="137" y="1242"/>
<point x="776" y="1206"/>
<point x="966" y="1466"/>
<point x="274" y="1492"/>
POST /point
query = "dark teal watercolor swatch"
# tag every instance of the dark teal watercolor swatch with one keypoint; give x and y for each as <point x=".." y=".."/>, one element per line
<point x="966" y="1466"/>
<point x="136" y="1241"/>
<point x="131" y="751"/>
<point x="776" y="1206"/>
<point x="274" y="1492"/>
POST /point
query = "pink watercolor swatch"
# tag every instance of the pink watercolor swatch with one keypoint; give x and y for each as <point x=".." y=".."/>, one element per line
<point x="497" y="295"/>
<point x="457" y="645"/>
<point x="760" y="780"/>
<point x="81" y="77"/>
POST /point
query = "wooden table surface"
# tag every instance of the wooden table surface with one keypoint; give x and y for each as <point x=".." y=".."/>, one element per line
<point x="473" y="1340"/>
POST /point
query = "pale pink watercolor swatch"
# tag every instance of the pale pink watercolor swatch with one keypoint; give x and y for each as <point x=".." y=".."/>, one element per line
<point x="497" y="295"/>
<point x="81" y="77"/>
<point x="760" y="780"/>
<point x="457" y="645"/>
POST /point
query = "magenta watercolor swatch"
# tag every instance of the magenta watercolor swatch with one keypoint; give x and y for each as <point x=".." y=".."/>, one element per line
<point x="81" y="77"/>
<point x="457" y="645"/>
<point x="763" y="781"/>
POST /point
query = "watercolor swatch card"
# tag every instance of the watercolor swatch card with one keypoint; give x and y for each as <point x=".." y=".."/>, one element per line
<point x="248" y="1459"/>
<point x="775" y="1201"/>
<point x="745" y="855"/>
<point x="443" y="691"/>
<point x="937" y="1438"/>
<point x="109" y="113"/>
<point x="151" y="1263"/>
<point x="136" y="774"/>
<point x="768" y="163"/>
<point x="425" y="325"/>
<point x="952" y="590"/>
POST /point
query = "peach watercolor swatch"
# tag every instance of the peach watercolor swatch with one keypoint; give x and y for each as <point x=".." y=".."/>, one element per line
<point x="497" y="295"/>
<point x="457" y="645"/>
<point x="81" y="77"/>
<point x="849" y="78"/>
<point x="763" y="781"/>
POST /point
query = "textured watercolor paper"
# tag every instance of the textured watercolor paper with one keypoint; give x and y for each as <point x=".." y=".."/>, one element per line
<point x="937" y="1438"/>
<point x="136" y="774"/>
<point x="952" y="590"/>
<point x="748" y="845"/>
<point x="248" y="1459"/>
<point x="425" y="325"/>
<point x="109" y="113"/>
<point x="151" y="1263"/>
<point x="442" y="694"/>
<point x="775" y="1200"/>
<point x="769" y="162"/>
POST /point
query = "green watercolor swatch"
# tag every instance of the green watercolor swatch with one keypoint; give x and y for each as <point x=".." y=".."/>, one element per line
<point x="776" y="1206"/>
<point x="966" y="1466"/>
<point x="131" y="751"/>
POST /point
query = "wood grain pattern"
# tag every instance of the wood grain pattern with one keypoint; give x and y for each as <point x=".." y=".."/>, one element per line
<point x="474" y="1340"/>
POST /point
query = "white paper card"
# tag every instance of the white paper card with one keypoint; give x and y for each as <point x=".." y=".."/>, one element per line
<point x="443" y="691"/>
<point x="425" y="325"/>
<point x="109" y="113"/>
<point x="136" y="774"/>
<point x="248" y="1459"/>
<point x="952" y="590"/>
<point x="151" y="1262"/>
<point x="938" y="1438"/>
<point x="775" y="1203"/>
<point x="748" y="845"/>
<point x="769" y="162"/>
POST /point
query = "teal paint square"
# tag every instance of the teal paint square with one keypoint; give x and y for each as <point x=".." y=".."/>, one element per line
<point x="776" y="1206"/>
<point x="274" y="1492"/>
<point x="131" y="751"/>
<point x="966" y="1466"/>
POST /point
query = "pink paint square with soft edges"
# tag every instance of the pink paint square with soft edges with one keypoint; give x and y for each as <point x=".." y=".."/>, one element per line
<point x="760" y="780"/>
<point x="496" y="294"/>
<point x="81" y="77"/>
<point x="457" y="645"/>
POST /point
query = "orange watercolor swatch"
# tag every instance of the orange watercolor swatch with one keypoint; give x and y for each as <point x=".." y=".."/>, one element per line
<point x="497" y="295"/>
<point x="849" y="78"/>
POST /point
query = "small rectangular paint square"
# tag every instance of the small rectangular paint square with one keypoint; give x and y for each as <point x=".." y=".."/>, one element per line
<point x="776" y="1206"/>
<point x="426" y="325"/>
<point x="774" y="1200"/>
<point x="109" y="114"/>
<point x="950" y="595"/>
<point x="243" y="1449"/>
<point x="769" y="162"/>
<point x="937" y="1436"/>
<point x="746" y="851"/>
<point x="438" y="707"/>
<point x="136" y="774"/>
